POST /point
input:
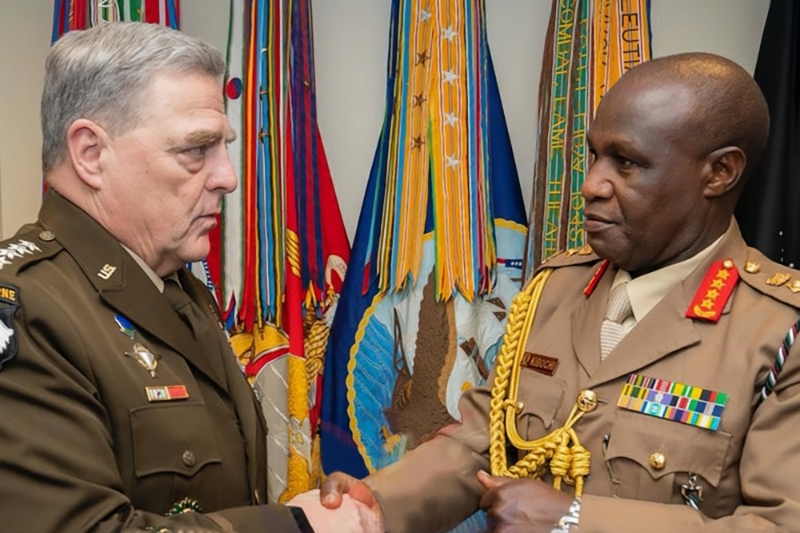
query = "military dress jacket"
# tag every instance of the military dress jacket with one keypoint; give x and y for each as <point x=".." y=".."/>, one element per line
<point x="748" y="469"/>
<point x="90" y="438"/>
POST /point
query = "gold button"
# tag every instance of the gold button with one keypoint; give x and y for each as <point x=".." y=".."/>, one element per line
<point x="587" y="401"/>
<point x="188" y="458"/>
<point x="727" y="263"/>
<point x="657" y="460"/>
<point x="47" y="236"/>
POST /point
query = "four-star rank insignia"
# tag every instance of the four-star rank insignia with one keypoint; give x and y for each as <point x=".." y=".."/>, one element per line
<point x="9" y="344"/>
<point x="714" y="291"/>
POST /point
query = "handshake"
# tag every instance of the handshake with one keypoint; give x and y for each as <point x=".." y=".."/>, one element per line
<point x="343" y="505"/>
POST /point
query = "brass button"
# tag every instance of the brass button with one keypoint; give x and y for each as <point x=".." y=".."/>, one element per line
<point x="47" y="236"/>
<point x="657" y="460"/>
<point x="587" y="401"/>
<point x="188" y="458"/>
<point x="727" y="264"/>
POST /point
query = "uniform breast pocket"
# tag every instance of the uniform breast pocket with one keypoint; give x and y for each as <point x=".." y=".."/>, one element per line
<point x="172" y="438"/>
<point x="541" y="396"/>
<point x="650" y="458"/>
<point x="172" y="445"/>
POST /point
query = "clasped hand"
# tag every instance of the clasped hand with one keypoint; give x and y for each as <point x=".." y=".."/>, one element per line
<point x="345" y="505"/>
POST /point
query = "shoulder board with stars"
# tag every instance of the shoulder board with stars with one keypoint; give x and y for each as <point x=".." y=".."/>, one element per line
<point x="714" y="291"/>
<point x="26" y="247"/>
<point x="773" y="279"/>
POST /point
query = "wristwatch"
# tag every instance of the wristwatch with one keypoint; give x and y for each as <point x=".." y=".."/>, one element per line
<point x="570" y="519"/>
<point x="300" y="517"/>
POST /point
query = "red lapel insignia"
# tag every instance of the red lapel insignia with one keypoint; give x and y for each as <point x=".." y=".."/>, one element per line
<point x="589" y="289"/>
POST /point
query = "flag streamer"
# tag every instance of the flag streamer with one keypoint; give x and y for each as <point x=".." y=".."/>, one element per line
<point x="82" y="14"/>
<point x="282" y="250"/>
<point x="589" y="45"/>
<point x="438" y="147"/>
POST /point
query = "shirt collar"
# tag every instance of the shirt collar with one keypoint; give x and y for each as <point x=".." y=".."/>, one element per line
<point x="158" y="282"/>
<point x="646" y="291"/>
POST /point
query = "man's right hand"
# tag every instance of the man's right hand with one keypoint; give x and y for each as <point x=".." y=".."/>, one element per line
<point x="338" y="483"/>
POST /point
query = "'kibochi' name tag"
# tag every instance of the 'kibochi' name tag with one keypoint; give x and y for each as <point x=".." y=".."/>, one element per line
<point x="540" y="363"/>
<point x="673" y="401"/>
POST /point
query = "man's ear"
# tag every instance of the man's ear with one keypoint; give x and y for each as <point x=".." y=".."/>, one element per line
<point x="725" y="169"/>
<point x="86" y="143"/>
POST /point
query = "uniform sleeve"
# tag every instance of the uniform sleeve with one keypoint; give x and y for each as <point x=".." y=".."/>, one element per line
<point x="435" y="487"/>
<point x="58" y="469"/>
<point x="769" y="474"/>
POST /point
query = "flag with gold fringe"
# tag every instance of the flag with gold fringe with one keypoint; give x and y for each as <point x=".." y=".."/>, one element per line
<point x="280" y="257"/>
<point x="589" y="45"/>
<point x="437" y="255"/>
<point x="82" y="14"/>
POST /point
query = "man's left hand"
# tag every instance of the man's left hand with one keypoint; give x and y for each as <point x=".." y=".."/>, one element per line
<point x="521" y="505"/>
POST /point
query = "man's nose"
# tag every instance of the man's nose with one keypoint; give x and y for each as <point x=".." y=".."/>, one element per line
<point x="596" y="184"/>
<point x="224" y="175"/>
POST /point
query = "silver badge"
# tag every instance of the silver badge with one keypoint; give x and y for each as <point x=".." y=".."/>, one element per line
<point x="144" y="357"/>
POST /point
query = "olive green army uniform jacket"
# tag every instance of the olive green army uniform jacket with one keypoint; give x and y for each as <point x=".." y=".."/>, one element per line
<point x="90" y="439"/>
<point x="748" y="468"/>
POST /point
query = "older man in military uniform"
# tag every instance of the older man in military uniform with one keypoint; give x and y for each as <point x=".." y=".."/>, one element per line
<point x="676" y="339"/>
<point x="123" y="408"/>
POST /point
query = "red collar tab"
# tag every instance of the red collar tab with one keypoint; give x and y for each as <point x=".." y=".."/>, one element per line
<point x="589" y="289"/>
<point x="714" y="291"/>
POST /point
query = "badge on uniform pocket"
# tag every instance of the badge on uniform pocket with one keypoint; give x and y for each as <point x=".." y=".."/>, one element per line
<point x="9" y="343"/>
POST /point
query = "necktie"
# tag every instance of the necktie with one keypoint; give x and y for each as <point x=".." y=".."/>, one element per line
<point x="618" y="309"/>
<point x="202" y="327"/>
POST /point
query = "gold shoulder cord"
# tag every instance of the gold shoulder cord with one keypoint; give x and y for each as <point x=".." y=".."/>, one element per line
<point x="569" y="461"/>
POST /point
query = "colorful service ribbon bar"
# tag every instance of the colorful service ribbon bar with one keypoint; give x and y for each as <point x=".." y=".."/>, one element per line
<point x="679" y="402"/>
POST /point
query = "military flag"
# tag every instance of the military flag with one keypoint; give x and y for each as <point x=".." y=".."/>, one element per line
<point x="280" y="256"/>
<point x="767" y="211"/>
<point x="589" y="45"/>
<point x="437" y="255"/>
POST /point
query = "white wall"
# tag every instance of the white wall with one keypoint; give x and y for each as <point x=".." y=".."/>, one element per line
<point x="24" y="40"/>
<point x="351" y="38"/>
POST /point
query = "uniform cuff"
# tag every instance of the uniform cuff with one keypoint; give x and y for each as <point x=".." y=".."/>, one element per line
<point x="300" y="517"/>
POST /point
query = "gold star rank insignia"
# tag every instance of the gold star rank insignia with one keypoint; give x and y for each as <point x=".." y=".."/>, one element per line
<point x="714" y="291"/>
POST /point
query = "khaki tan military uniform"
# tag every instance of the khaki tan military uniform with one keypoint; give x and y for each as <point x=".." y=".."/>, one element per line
<point x="83" y="445"/>
<point x="749" y="469"/>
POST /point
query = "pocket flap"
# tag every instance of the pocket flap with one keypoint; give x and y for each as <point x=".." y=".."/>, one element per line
<point x="172" y="438"/>
<point x="685" y="448"/>
<point x="541" y="395"/>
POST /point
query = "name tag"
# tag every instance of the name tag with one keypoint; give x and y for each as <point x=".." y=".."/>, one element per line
<point x="540" y="363"/>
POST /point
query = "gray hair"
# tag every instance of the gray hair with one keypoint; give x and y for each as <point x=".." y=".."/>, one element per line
<point x="101" y="74"/>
